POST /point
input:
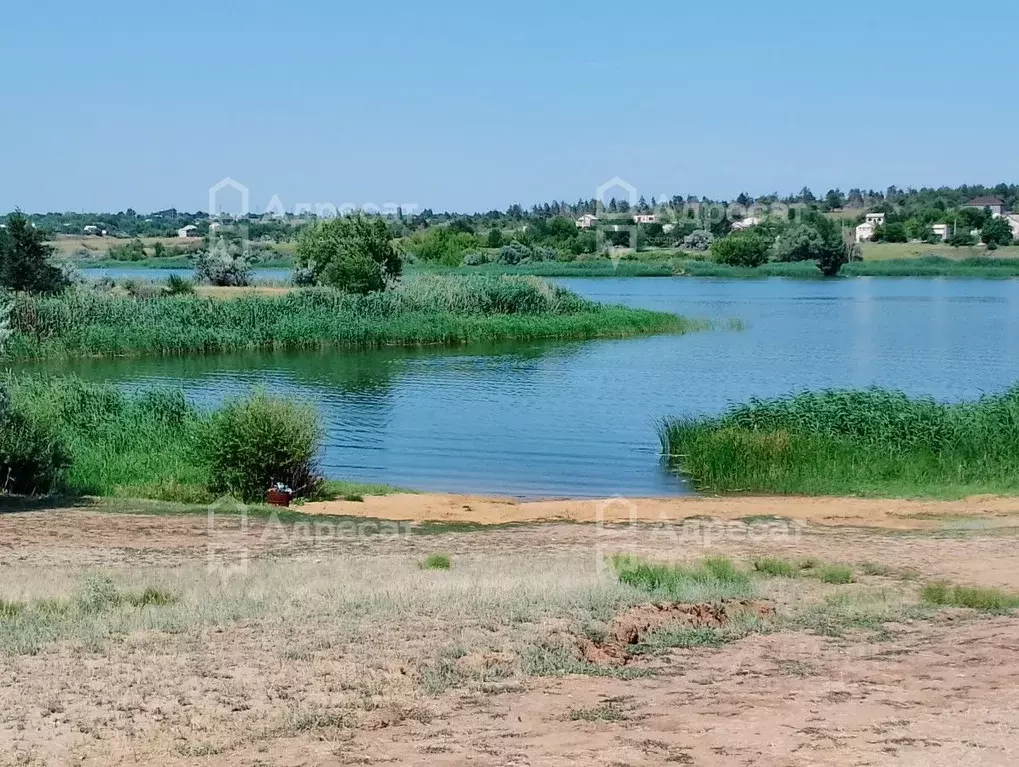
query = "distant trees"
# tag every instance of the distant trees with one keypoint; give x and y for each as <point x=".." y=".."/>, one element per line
<point x="25" y="259"/>
<point x="352" y="253"/>
<point x="891" y="232"/>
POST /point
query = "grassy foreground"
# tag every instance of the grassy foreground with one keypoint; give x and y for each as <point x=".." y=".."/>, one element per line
<point x="871" y="442"/>
<point x="428" y="310"/>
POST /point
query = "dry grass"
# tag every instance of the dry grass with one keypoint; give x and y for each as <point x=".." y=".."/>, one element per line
<point x="98" y="247"/>
<point x="889" y="251"/>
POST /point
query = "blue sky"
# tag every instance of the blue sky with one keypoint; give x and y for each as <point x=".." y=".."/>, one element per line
<point x="474" y="105"/>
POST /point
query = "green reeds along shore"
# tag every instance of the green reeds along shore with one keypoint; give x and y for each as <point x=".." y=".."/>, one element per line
<point x="428" y="310"/>
<point x="872" y="442"/>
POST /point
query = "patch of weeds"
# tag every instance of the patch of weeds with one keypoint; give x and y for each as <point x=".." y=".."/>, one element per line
<point x="762" y="519"/>
<point x="150" y="596"/>
<point x="688" y="638"/>
<point x="198" y="749"/>
<point x="98" y="594"/>
<point x="710" y="579"/>
<point x="608" y="712"/>
<point x="437" y="562"/>
<point x="548" y="660"/>
<point x="9" y="609"/>
<point x="354" y="497"/>
<point x="444" y="673"/>
<point x="780" y="568"/>
<point x="944" y="594"/>
<point x="305" y="721"/>
<point x="866" y="610"/>
<point x="873" y="568"/>
<point x="837" y="574"/>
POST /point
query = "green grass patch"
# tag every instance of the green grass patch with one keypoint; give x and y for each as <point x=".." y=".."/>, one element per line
<point x="872" y="442"/>
<point x="709" y="580"/>
<point x="836" y="574"/>
<point x="437" y="562"/>
<point x="944" y="594"/>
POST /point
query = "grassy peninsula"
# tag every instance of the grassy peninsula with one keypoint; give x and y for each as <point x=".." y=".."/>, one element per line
<point x="427" y="310"/>
<point x="871" y="442"/>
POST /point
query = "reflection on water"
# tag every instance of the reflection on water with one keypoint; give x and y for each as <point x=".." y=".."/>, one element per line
<point x="578" y="419"/>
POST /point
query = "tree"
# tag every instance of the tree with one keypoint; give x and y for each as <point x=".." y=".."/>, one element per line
<point x="894" y="232"/>
<point x="996" y="231"/>
<point x="962" y="239"/>
<point x="495" y="239"/>
<point x="747" y="248"/>
<point x="817" y="238"/>
<point x="25" y="259"/>
<point x="353" y="253"/>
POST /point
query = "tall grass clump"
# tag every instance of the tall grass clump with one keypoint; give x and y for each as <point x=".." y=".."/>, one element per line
<point x="870" y="442"/>
<point x="251" y="445"/>
<point x="427" y="310"/>
<point x="90" y="439"/>
<point x="943" y="594"/>
<point x="711" y="579"/>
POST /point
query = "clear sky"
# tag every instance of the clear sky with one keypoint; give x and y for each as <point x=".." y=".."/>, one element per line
<point x="474" y="105"/>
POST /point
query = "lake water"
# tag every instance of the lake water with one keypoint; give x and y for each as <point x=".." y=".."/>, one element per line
<point x="578" y="419"/>
<point x="142" y="274"/>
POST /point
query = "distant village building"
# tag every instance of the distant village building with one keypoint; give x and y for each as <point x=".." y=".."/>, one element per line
<point x="865" y="232"/>
<point x="645" y="218"/>
<point x="91" y="229"/>
<point x="746" y="223"/>
<point x="188" y="231"/>
<point x="942" y="231"/>
<point x="996" y="204"/>
<point x="1013" y="222"/>
<point x="586" y="221"/>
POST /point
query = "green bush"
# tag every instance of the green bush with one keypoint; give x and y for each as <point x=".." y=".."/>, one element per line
<point x="32" y="451"/>
<point x="443" y="245"/>
<point x="251" y="445"/>
<point x="748" y="248"/>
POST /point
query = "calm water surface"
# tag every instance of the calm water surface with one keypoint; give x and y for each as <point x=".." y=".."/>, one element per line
<point x="578" y="419"/>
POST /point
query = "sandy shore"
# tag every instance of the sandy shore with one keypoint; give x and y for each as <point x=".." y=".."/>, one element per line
<point x="891" y="513"/>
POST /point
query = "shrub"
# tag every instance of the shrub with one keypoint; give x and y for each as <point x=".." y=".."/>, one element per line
<point x="475" y="258"/>
<point x="838" y="574"/>
<point x="747" y="248"/>
<point x="699" y="240"/>
<point x="220" y="266"/>
<point x="251" y="445"/>
<point x="962" y="240"/>
<point x="495" y="238"/>
<point x="6" y="307"/>
<point x="544" y="253"/>
<point x="353" y="253"/>
<point x="514" y="253"/>
<point x="133" y="250"/>
<point x="178" y="286"/>
<point x="443" y="245"/>
<point x="32" y="452"/>
<point x="437" y="562"/>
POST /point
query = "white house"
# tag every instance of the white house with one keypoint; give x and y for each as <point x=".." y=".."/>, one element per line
<point x="1013" y="222"/>
<point x="586" y="221"/>
<point x="865" y="232"/>
<point x="746" y="223"/>
<point x="942" y="231"/>
<point x="645" y="218"/>
<point x="996" y="204"/>
<point x="91" y="229"/>
<point x="876" y="219"/>
<point x="188" y="231"/>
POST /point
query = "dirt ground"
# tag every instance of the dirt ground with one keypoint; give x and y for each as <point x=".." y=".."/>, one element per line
<point x="328" y="645"/>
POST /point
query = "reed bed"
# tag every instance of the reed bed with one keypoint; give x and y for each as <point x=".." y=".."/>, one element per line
<point x="871" y="442"/>
<point x="428" y="310"/>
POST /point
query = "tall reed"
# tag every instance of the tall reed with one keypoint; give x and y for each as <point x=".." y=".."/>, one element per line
<point x="871" y="442"/>
<point x="424" y="311"/>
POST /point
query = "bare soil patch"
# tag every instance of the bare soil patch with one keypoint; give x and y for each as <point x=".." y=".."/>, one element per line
<point x="278" y="645"/>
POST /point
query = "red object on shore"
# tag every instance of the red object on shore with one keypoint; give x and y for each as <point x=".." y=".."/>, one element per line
<point x="279" y="498"/>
